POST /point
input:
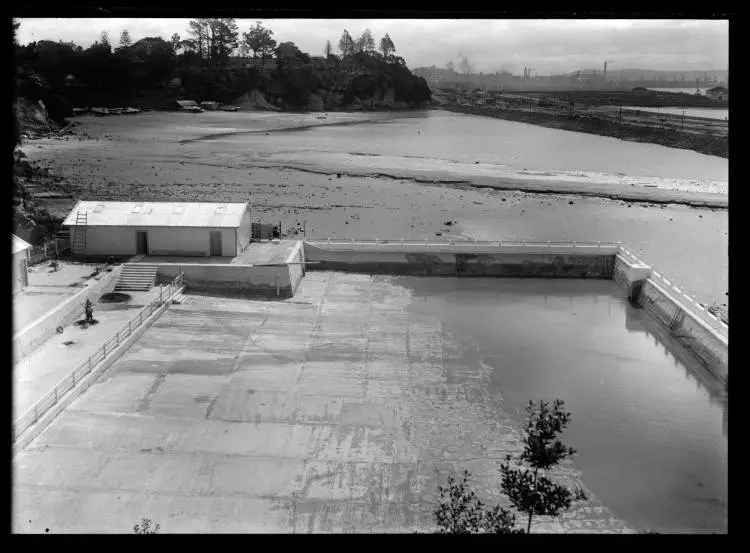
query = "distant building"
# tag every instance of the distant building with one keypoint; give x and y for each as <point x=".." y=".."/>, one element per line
<point x="158" y="228"/>
<point x="20" y="251"/>
<point x="718" y="93"/>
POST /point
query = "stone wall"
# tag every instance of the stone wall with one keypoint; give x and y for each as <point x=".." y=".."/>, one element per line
<point x="408" y="261"/>
<point x="235" y="279"/>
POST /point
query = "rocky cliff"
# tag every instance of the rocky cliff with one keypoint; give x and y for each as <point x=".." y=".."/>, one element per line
<point x="364" y="81"/>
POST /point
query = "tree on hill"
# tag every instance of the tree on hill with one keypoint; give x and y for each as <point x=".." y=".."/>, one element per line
<point x="287" y="52"/>
<point x="346" y="44"/>
<point x="367" y="42"/>
<point x="327" y="49"/>
<point x="125" y="40"/>
<point x="176" y="43"/>
<point x="386" y="46"/>
<point x="243" y="49"/>
<point x="189" y="45"/>
<point x="198" y="29"/>
<point x="260" y="41"/>
<point x="222" y="40"/>
<point x="104" y="39"/>
<point x="155" y="60"/>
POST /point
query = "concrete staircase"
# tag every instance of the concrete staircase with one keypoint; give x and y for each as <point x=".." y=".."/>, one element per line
<point x="136" y="277"/>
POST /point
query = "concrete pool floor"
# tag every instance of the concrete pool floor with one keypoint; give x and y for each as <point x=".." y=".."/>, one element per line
<point x="327" y="412"/>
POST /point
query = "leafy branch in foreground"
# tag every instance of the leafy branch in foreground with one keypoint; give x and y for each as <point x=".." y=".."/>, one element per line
<point x="461" y="512"/>
<point x="529" y="491"/>
<point x="144" y="527"/>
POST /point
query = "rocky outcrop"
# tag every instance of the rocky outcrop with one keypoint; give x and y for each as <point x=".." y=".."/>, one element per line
<point x="254" y="100"/>
<point x="389" y="98"/>
<point x="315" y="102"/>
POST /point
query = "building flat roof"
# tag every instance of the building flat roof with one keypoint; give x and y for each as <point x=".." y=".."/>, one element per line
<point x="158" y="214"/>
<point x="19" y="245"/>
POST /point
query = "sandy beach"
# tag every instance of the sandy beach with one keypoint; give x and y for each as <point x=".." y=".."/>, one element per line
<point x="309" y="171"/>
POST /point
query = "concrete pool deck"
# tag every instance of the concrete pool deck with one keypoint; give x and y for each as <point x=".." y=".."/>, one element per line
<point x="47" y="289"/>
<point x="36" y="374"/>
<point x="256" y="253"/>
<point x="327" y="412"/>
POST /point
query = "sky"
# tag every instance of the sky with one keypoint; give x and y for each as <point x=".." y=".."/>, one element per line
<point x="549" y="46"/>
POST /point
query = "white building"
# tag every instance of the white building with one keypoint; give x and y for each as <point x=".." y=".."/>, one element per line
<point x="20" y="249"/>
<point x="718" y="93"/>
<point x="159" y="228"/>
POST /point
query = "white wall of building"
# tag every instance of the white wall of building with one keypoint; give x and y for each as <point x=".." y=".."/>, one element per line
<point x="20" y="274"/>
<point x="178" y="241"/>
<point x="106" y="241"/>
<point x="228" y="242"/>
<point x="244" y="233"/>
<point x="161" y="241"/>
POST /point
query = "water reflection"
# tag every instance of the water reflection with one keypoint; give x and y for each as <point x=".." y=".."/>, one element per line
<point x="651" y="445"/>
<point x="636" y="320"/>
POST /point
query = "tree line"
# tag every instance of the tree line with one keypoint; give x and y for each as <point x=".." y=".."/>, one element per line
<point x="210" y="63"/>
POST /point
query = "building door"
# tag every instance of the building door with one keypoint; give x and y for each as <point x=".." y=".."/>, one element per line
<point x="215" y="242"/>
<point x="142" y="242"/>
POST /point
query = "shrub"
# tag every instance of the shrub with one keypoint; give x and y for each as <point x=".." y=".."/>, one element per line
<point x="144" y="527"/>
<point x="461" y="512"/>
<point x="529" y="491"/>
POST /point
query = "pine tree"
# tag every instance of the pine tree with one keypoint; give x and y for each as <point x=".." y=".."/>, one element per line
<point x="346" y="44"/>
<point x="125" y="39"/>
<point x="529" y="491"/>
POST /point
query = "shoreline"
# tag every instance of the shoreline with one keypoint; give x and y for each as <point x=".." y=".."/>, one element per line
<point x="608" y="191"/>
<point x="384" y="196"/>
<point x="701" y="143"/>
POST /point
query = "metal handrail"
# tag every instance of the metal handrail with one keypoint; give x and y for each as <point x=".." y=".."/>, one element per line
<point x="68" y="382"/>
<point x="495" y="243"/>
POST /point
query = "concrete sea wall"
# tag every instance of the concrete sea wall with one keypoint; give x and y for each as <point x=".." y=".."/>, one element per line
<point x="239" y="279"/>
<point x="538" y="262"/>
<point x="296" y="265"/>
<point x="35" y="334"/>
<point x="707" y="345"/>
<point x="681" y="321"/>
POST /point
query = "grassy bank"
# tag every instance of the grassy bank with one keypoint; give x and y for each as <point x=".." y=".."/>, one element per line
<point x="673" y="138"/>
